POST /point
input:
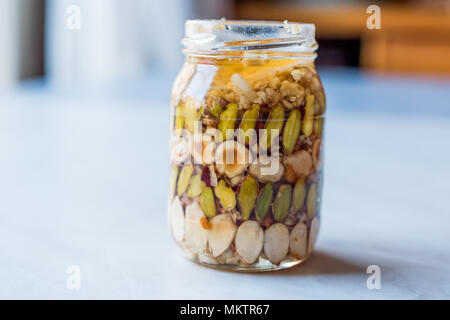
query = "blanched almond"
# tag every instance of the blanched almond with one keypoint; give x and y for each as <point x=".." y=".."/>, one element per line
<point x="196" y="236"/>
<point x="176" y="217"/>
<point x="298" y="240"/>
<point x="249" y="241"/>
<point x="276" y="242"/>
<point x="221" y="234"/>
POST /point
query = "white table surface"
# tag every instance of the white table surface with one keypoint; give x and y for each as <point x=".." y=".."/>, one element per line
<point x="83" y="181"/>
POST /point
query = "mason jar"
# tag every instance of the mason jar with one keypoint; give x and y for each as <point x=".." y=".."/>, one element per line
<point x="246" y="156"/>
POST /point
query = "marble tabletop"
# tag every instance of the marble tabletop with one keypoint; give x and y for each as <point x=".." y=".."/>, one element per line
<point x="83" y="182"/>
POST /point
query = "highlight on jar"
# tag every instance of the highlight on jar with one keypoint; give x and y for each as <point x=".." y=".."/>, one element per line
<point x="246" y="154"/>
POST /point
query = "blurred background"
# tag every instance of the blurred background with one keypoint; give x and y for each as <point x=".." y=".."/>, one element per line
<point x="84" y="118"/>
<point x="118" y="40"/>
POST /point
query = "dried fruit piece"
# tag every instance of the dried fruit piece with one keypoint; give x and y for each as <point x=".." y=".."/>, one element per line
<point x="249" y="241"/>
<point x="313" y="234"/>
<point x="183" y="179"/>
<point x="227" y="121"/>
<point x="195" y="235"/>
<point x="290" y="174"/>
<point x="264" y="201"/>
<point x="206" y="177"/>
<point x="248" y="192"/>
<point x="308" y="120"/>
<point x="205" y="223"/>
<point x="311" y="201"/>
<point x="292" y="130"/>
<point x="221" y="234"/>
<point x="248" y="123"/>
<point x="207" y="202"/>
<point x="299" y="194"/>
<point x="179" y="119"/>
<point x="196" y="186"/>
<point x="300" y="162"/>
<point x="282" y="202"/>
<point x="298" y="240"/>
<point x="225" y="195"/>
<point x="276" y="242"/>
<point x="232" y="158"/>
<point x="273" y="127"/>
<point x="176" y="218"/>
<point x="316" y="153"/>
<point x="267" y="169"/>
<point x="173" y="181"/>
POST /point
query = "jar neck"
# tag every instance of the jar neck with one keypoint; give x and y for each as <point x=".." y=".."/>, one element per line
<point x="255" y="39"/>
<point x="250" y="55"/>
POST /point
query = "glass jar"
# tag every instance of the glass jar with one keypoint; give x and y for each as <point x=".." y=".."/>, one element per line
<point x="247" y="115"/>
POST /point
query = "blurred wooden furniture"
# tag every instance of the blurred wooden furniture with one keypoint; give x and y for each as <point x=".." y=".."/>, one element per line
<point x="411" y="39"/>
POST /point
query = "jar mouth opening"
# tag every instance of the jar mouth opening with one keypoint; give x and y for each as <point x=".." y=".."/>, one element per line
<point x="226" y="36"/>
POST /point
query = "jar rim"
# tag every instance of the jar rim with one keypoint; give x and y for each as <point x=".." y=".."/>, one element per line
<point x="222" y="36"/>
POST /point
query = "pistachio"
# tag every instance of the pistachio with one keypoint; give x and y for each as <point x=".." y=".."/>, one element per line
<point x="299" y="194"/>
<point x="194" y="233"/>
<point x="176" y="218"/>
<point x="249" y="241"/>
<point x="216" y="110"/>
<point x="207" y="202"/>
<point x="276" y="242"/>
<point x="321" y="101"/>
<point x="221" y="234"/>
<point x="313" y="233"/>
<point x="227" y="121"/>
<point x="311" y="201"/>
<point x="273" y="127"/>
<point x="248" y="123"/>
<point x="264" y="201"/>
<point x="196" y="186"/>
<point x="300" y="162"/>
<point x="282" y="203"/>
<point x="179" y="119"/>
<point x="183" y="179"/>
<point x="267" y="169"/>
<point x="308" y="120"/>
<point x="232" y="158"/>
<point x="298" y="240"/>
<point x="191" y="114"/>
<point x="248" y="192"/>
<point x="173" y="181"/>
<point x="225" y="195"/>
<point x="292" y="130"/>
<point x="318" y="127"/>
